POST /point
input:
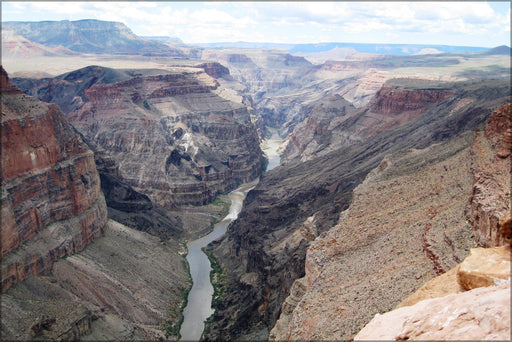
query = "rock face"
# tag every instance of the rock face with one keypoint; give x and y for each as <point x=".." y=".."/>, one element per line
<point x="264" y="251"/>
<point x="130" y="207"/>
<point x="174" y="139"/>
<point x="52" y="204"/>
<point x="491" y="163"/>
<point x="480" y="314"/>
<point x="404" y="225"/>
<point x="106" y="292"/>
<point x="90" y="36"/>
<point x="333" y="122"/>
<point x="441" y="309"/>
<point x="426" y="200"/>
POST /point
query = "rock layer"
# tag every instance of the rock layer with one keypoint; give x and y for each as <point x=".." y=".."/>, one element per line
<point x="174" y="139"/>
<point x="105" y="292"/>
<point x="52" y="204"/>
<point x="480" y="314"/>
<point x="333" y="122"/>
<point x="341" y="294"/>
<point x="264" y="251"/>
<point x="491" y="164"/>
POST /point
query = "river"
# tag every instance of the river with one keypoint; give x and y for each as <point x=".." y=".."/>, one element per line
<point x="198" y="308"/>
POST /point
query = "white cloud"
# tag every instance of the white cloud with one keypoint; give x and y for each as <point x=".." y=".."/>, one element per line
<point x="197" y="22"/>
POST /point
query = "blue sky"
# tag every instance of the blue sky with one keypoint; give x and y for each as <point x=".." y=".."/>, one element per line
<point x="481" y="23"/>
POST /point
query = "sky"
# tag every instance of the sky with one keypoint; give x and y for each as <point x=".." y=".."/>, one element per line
<point x="481" y="23"/>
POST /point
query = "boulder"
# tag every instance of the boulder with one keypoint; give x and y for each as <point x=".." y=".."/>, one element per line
<point x="484" y="267"/>
<point x="479" y="314"/>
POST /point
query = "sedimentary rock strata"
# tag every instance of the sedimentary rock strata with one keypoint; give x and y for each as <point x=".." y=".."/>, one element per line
<point x="174" y="139"/>
<point x="336" y="302"/>
<point x="52" y="204"/>
<point x="491" y="165"/>
<point x="265" y="250"/>
<point x="105" y="292"/>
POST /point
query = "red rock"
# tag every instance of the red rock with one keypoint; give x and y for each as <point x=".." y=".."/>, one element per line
<point x="491" y="165"/>
<point x="52" y="204"/>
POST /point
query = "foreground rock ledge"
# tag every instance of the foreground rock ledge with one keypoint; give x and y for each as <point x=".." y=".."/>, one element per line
<point x="482" y="313"/>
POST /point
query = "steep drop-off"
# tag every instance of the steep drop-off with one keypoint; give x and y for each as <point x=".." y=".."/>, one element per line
<point x="174" y="139"/>
<point x="52" y="204"/>
<point x="53" y="207"/>
<point x="442" y="309"/>
<point x="263" y="253"/>
<point x="333" y="122"/>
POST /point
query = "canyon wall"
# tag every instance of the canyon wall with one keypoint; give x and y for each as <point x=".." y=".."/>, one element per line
<point x="52" y="204"/>
<point x="105" y="292"/>
<point x="491" y="167"/>
<point x="173" y="137"/>
<point x="52" y="207"/>
<point x="333" y="122"/>
<point x="264" y="252"/>
<point x="472" y="300"/>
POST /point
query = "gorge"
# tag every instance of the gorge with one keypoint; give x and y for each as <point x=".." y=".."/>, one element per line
<point x="384" y="174"/>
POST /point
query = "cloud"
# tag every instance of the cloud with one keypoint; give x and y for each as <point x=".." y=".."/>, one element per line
<point x="196" y="22"/>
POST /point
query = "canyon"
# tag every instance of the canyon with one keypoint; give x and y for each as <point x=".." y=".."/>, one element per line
<point x="198" y="143"/>
<point x="264" y="252"/>
<point x="394" y="177"/>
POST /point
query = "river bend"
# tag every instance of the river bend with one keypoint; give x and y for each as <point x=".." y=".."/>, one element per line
<point x="198" y="308"/>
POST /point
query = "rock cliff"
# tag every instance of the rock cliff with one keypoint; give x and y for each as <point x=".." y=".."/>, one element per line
<point x="360" y="267"/>
<point x="173" y="138"/>
<point x="52" y="204"/>
<point x="491" y="166"/>
<point x="105" y="292"/>
<point x="264" y="251"/>
<point x="333" y="122"/>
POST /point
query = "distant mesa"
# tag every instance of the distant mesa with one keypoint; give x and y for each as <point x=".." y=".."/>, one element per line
<point x="164" y="39"/>
<point x="499" y="50"/>
<point x="91" y="36"/>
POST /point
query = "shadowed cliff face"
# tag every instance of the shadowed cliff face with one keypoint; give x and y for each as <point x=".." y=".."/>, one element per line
<point x="173" y="138"/>
<point x="264" y="250"/>
<point x="333" y="122"/>
<point x="52" y="204"/>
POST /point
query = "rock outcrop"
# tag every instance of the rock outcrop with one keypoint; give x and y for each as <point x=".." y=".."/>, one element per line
<point x="52" y="204"/>
<point x="264" y="251"/>
<point x="480" y="314"/>
<point x="333" y="122"/>
<point x="491" y="164"/>
<point x="173" y="138"/>
<point x="106" y="292"/>
<point x="443" y="310"/>
<point x="357" y="270"/>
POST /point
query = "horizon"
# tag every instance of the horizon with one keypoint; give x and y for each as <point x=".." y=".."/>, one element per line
<point x="475" y="24"/>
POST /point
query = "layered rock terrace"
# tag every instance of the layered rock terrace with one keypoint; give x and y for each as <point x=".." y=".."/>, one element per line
<point x="172" y="136"/>
<point x="52" y="204"/>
